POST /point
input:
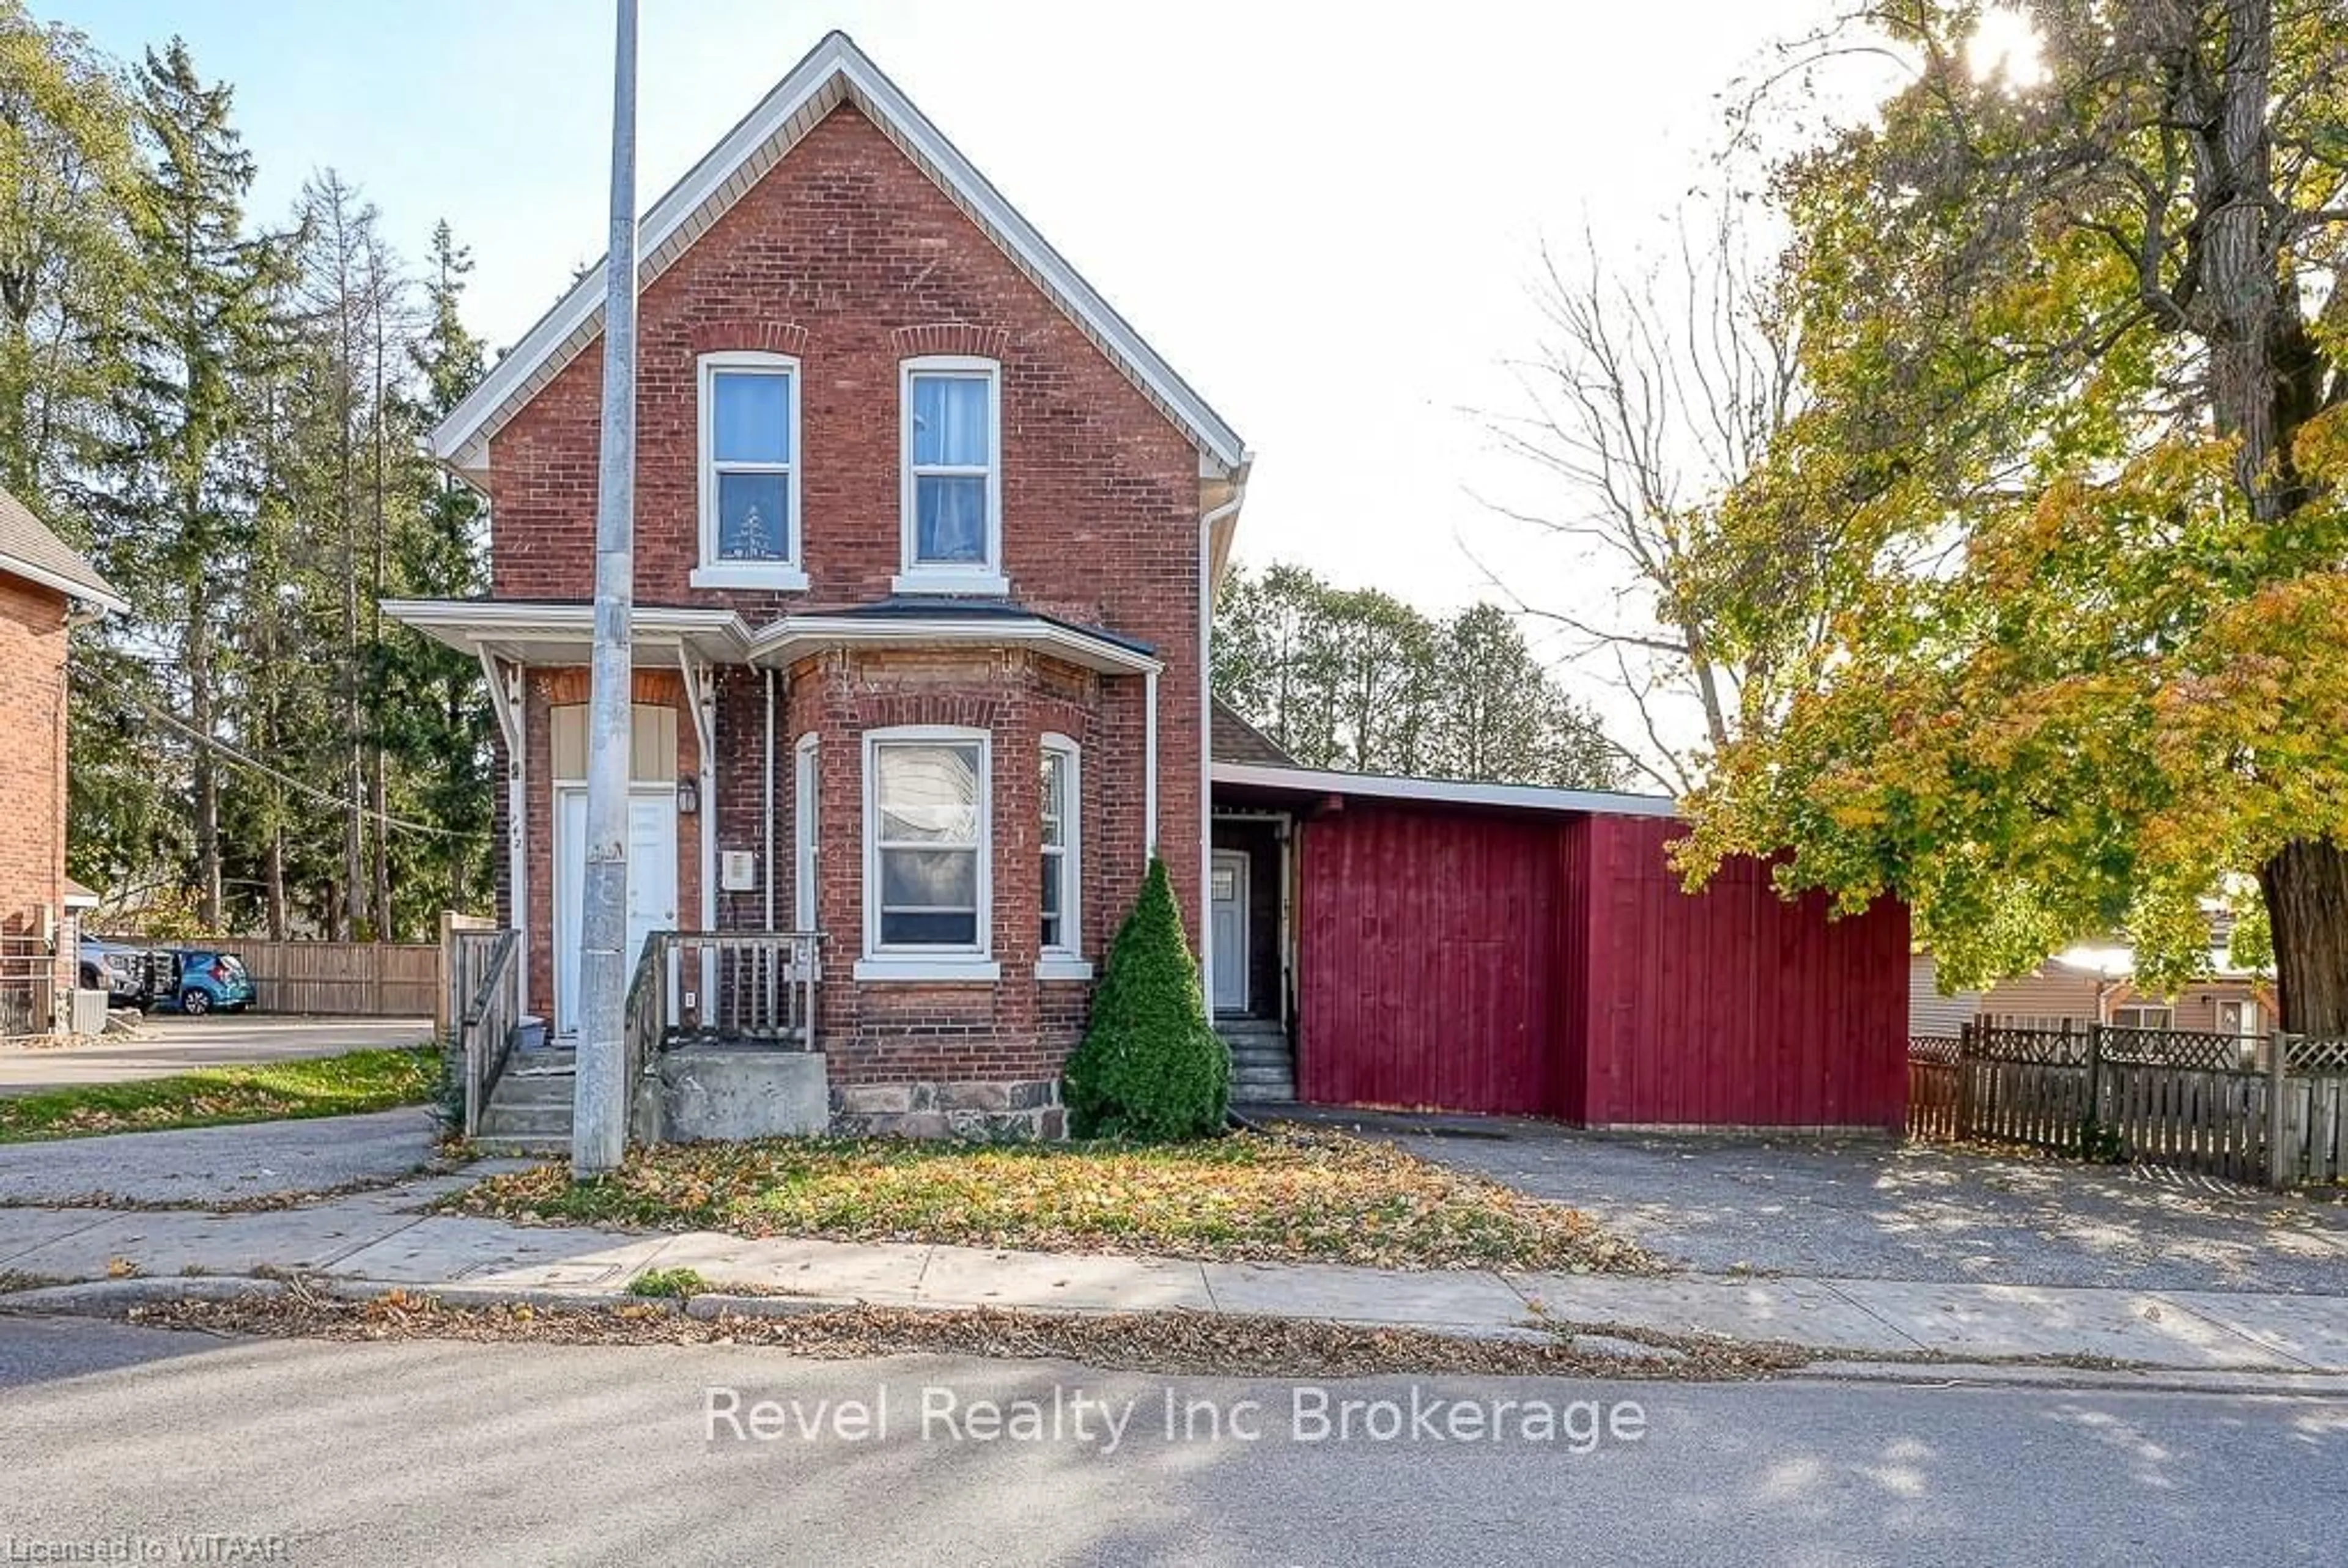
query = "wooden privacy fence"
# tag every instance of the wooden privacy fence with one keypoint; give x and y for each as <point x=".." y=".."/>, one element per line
<point x="2270" y="1110"/>
<point x="367" y="979"/>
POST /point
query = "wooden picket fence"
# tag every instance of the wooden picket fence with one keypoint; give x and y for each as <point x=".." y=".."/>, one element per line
<point x="2270" y="1110"/>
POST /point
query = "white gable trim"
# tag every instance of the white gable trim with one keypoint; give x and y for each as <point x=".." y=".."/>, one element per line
<point x="834" y="72"/>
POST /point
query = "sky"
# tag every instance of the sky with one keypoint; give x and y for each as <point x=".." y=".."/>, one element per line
<point x="1327" y="217"/>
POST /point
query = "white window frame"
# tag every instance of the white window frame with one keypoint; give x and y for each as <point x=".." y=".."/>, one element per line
<point x="984" y="578"/>
<point x="2167" y="1015"/>
<point x="1065" y="960"/>
<point x="788" y="574"/>
<point x="807" y="784"/>
<point x="928" y="963"/>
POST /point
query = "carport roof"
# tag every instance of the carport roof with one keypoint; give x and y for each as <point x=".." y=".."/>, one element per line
<point x="1299" y="780"/>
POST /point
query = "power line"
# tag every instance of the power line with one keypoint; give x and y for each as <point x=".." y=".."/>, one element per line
<point x="234" y="756"/>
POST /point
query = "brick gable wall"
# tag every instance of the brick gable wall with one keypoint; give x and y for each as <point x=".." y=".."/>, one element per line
<point x="850" y="258"/>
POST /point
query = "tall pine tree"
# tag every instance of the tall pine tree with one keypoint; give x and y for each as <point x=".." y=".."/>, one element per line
<point x="175" y="519"/>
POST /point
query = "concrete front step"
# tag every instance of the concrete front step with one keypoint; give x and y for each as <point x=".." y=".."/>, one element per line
<point x="532" y="1121"/>
<point x="535" y="1146"/>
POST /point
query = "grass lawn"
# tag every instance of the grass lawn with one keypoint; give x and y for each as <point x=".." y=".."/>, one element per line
<point x="325" y="1086"/>
<point x="1292" y="1197"/>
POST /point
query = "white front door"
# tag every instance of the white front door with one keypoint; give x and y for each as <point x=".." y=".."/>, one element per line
<point x="1227" y="921"/>
<point x="652" y="883"/>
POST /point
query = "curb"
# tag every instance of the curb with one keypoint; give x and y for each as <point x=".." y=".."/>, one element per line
<point x="111" y="1298"/>
<point x="2275" y="1384"/>
<point x="97" y="1297"/>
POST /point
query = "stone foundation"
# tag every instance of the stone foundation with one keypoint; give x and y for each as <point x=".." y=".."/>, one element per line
<point x="1022" y="1109"/>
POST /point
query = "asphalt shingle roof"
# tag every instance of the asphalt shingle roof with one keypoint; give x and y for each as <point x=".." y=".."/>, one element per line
<point x="28" y="548"/>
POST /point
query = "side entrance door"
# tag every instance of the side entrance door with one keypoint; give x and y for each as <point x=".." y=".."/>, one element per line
<point x="1227" y="920"/>
<point x="651" y="884"/>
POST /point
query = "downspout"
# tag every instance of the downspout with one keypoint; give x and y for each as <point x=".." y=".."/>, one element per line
<point x="767" y="819"/>
<point x="1207" y="521"/>
<point x="1148" y="767"/>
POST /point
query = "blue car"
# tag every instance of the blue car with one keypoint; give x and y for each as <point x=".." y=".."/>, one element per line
<point x="210" y="980"/>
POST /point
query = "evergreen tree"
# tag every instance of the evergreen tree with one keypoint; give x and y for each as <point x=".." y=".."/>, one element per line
<point x="1149" y="1066"/>
<point x="175" y="518"/>
<point x="433" y="708"/>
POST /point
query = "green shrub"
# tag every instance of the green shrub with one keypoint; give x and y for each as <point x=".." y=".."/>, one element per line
<point x="1150" y="1067"/>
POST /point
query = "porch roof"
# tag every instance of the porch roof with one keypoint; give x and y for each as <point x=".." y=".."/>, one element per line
<point x="539" y="631"/>
<point x="562" y="631"/>
<point x="903" y="621"/>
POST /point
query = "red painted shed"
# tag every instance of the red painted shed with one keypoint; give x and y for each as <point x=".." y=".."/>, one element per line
<point x="1501" y="950"/>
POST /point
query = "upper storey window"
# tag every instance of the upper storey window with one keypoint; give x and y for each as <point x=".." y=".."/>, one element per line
<point x="953" y="499"/>
<point x="749" y="472"/>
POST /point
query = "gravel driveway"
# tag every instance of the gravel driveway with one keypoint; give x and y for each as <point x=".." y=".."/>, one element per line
<point x="219" y="1164"/>
<point x="1886" y="1211"/>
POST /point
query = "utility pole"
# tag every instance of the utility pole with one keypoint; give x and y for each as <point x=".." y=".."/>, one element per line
<point x="599" y="1124"/>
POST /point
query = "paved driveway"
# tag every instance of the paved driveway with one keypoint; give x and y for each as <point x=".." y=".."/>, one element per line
<point x="1885" y="1211"/>
<point x="168" y="1044"/>
<point x="219" y="1164"/>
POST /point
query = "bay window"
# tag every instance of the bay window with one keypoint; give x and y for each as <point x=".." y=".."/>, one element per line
<point x="927" y="880"/>
<point x="1061" y="817"/>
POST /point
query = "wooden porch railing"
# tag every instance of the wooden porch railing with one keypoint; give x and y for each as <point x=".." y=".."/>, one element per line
<point x="740" y="986"/>
<point x="486" y="974"/>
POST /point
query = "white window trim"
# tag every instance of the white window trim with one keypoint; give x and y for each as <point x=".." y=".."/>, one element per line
<point x="917" y="963"/>
<point x="711" y="571"/>
<point x="1064" y="960"/>
<point x="807" y="825"/>
<point x="914" y="578"/>
<point x="2167" y="1015"/>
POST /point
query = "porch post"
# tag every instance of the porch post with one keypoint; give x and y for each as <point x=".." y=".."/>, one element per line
<point x="508" y="697"/>
<point x="701" y="694"/>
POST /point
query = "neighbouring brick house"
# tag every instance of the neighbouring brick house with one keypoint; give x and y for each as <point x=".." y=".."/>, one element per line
<point x="46" y="588"/>
<point x="922" y="535"/>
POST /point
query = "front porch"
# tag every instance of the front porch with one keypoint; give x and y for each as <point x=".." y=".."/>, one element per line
<point x="719" y="1038"/>
<point x="891" y="843"/>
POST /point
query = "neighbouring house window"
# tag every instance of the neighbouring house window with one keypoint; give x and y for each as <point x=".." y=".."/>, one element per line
<point x="2140" y="1016"/>
<point x="952" y="485"/>
<point x="2238" y="1018"/>
<point x="1061" y="868"/>
<point x="804" y="787"/>
<point x="925" y="887"/>
<point x="749" y="471"/>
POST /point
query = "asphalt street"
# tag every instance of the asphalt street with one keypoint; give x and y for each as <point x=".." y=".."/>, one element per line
<point x="310" y="1453"/>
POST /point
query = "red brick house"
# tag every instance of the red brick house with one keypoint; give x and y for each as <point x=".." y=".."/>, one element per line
<point x="45" y="589"/>
<point x="922" y="531"/>
<point x="925" y="541"/>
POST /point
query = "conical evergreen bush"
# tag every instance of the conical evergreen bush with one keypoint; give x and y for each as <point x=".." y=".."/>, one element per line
<point x="1150" y="1067"/>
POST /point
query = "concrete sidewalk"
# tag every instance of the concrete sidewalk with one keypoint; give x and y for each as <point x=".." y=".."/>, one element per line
<point x="382" y="1238"/>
